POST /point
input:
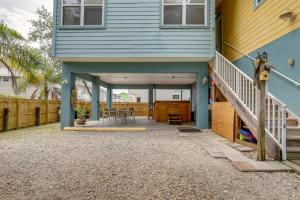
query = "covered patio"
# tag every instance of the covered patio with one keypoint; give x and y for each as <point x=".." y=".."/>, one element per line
<point x="146" y="76"/>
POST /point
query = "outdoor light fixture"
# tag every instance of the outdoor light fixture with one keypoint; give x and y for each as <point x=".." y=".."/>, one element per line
<point x="65" y="81"/>
<point x="287" y="15"/>
<point x="204" y="80"/>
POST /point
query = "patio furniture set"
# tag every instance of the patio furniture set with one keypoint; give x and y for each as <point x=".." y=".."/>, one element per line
<point x="118" y="116"/>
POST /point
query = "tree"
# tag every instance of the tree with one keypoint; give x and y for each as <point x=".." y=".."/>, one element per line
<point x="48" y="84"/>
<point x="41" y="33"/>
<point x="17" y="56"/>
<point x="41" y="30"/>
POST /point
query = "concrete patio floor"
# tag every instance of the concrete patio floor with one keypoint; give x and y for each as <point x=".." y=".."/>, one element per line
<point x="159" y="163"/>
<point x="138" y="122"/>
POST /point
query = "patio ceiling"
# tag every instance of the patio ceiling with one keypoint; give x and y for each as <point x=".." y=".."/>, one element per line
<point x="146" y="78"/>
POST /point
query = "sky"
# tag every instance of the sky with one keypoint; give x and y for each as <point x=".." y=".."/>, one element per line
<point x="17" y="13"/>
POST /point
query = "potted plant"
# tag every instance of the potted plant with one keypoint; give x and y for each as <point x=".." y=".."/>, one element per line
<point x="81" y="115"/>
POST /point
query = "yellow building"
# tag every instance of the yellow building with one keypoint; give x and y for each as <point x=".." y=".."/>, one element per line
<point x="246" y="27"/>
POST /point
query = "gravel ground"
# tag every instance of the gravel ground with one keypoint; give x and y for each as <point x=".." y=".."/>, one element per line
<point x="44" y="163"/>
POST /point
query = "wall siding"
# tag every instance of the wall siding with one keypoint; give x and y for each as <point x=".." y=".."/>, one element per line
<point x="279" y="52"/>
<point x="248" y="28"/>
<point x="132" y="29"/>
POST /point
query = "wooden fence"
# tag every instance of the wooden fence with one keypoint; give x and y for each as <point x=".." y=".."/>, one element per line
<point x="22" y="112"/>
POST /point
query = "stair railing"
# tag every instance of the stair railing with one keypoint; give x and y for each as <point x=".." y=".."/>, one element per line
<point x="244" y="89"/>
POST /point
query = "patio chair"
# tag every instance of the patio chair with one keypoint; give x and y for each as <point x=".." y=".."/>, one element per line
<point x="132" y="114"/>
<point x="106" y="116"/>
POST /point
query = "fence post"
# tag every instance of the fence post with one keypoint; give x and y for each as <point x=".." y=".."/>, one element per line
<point x="47" y="112"/>
<point x="5" y="119"/>
<point x="18" y="114"/>
<point x="37" y="116"/>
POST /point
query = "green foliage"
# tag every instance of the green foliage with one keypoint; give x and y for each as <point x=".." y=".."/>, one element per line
<point x="124" y="96"/>
<point x="17" y="56"/>
<point x="81" y="111"/>
<point x="41" y="29"/>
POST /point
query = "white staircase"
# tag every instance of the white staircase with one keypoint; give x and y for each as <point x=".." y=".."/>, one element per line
<point x="240" y="91"/>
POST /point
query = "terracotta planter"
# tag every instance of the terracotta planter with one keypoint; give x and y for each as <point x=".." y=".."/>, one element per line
<point x="81" y="121"/>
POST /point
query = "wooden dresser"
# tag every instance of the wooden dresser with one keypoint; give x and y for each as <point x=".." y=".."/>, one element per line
<point x="163" y="108"/>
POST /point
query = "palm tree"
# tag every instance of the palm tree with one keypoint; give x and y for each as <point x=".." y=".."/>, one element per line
<point x="47" y="86"/>
<point x="17" y="56"/>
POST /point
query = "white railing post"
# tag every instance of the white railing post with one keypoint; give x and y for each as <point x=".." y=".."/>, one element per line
<point x="283" y="138"/>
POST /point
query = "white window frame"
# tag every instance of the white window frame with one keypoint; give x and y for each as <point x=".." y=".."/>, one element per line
<point x="82" y="5"/>
<point x="5" y="81"/>
<point x="184" y="4"/>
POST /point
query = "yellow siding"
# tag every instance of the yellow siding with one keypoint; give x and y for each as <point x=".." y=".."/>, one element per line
<point x="248" y="29"/>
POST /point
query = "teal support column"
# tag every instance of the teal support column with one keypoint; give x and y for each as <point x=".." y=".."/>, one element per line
<point x="150" y="97"/>
<point x="109" y="97"/>
<point x="202" y="99"/>
<point x="67" y="111"/>
<point x="95" y="99"/>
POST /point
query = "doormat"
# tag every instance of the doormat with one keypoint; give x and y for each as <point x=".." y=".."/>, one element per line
<point x="188" y="130"/>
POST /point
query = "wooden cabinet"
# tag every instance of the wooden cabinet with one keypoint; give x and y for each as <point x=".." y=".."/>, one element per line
<point x="163" y="108"/>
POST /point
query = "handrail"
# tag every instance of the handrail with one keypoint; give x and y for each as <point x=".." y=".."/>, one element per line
<point x="239" y="70"/>
<point x="297" y="84"/>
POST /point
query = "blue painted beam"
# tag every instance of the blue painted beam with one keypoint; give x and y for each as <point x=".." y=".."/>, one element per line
<point x="202" y="100"/>
<point x="90" y="78"/>
<point x="67" y="111"/>
<point x="95" y="99"/>
<point x="109" y="97"/>
<point x="159" y="67"/>
<point x="149" y="86"/>
<point x="150" y="97"/>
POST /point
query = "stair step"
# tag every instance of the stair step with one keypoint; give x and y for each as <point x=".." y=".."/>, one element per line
<point x="293" y="137"/>
<point x="292" y="122"/>
<point x="293" y="131"/>
<point x="293" y="149"/>
<point x="293" y="141"/>
<point x="293" y="153"/>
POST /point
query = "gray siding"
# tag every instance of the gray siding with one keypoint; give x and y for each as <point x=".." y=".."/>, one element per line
<point x="132" y="29"/>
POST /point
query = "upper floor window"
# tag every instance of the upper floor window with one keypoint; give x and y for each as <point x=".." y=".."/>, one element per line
<point x="82" y="12"/>
<point x="184" y="12"/>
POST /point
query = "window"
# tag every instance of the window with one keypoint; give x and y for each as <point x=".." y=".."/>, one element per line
<point x="82" y="12"/>
<point x="184" y="12"/>
<point x="5" y="79"/>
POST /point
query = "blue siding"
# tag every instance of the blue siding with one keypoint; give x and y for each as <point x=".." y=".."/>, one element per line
<point x="279" y="52"/>
<point x="132" y="29"/>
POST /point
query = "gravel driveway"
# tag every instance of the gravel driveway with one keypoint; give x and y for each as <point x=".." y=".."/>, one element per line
<point x="45" y="163"/>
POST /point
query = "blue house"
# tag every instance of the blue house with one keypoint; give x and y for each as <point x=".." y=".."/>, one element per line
<point x="95" y="38"/>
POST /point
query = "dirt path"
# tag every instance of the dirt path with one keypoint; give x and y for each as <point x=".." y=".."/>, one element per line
<point x="44" y="163"/>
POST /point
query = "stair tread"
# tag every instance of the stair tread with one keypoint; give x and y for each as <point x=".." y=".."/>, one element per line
<point x="293" y="137"/>
<point x="293" y="128"/>
<point x="293" y="149"/>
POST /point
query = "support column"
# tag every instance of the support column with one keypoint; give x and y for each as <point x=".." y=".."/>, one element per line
<point x="150" y="97"/>
<point x="95" y="99"/>
<point x="109" y="98"/>
<point x="202" y="99"/>
<point x="67" y="111"/>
